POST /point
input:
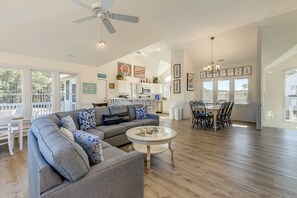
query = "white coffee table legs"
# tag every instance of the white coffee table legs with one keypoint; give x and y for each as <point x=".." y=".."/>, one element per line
<point x="148" y="157"/>
<point x="172" y="151"/>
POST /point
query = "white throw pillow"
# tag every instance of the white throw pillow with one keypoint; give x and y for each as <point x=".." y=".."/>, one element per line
<point x="67" y="133"/>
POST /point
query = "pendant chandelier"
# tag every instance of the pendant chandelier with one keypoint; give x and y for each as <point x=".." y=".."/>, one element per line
<point x="101" y="42"/>
<point x="212" y="67"/>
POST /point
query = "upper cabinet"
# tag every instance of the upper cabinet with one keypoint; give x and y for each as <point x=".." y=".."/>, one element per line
<point x="123" y="87"/>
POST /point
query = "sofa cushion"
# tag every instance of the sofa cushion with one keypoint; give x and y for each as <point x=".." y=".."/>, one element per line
<point x="112" y="130"/>
<point x="131" y="110"/>
<point x="73" y="114"/>
<point x="67" y="157"/>
<point x="96" y="132"/>
<point x="112" y="119"/>
<point x="67" y="133"/>
<point x="68" y="123"/>
<point x="118" y="109"/>
<point x="147" y="122"/>
<point x="87" y="119"/>
<point x="105" y="145"/>
<point x="130" y="125"/>
<point x="99" y="111"/>
<point x="112" y="152"/>
<point x="141" y="113"/>
<point x="91" y="144"/>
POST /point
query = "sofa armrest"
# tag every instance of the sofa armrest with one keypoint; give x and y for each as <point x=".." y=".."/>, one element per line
<point x="121" y="176"/>
<point x="154" y="116"/>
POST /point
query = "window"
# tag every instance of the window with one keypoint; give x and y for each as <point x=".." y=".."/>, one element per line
<point x="207" y="96"/>
<point x="67" y="89"/>
<point x="10" y="89"/>
<point x="291" y="96"/>
<point x="241" y="91"/>
<point x="42" y="92"/>
<point x="223" y="90"/>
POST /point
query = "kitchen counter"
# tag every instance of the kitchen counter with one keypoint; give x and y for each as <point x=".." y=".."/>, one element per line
<point x="150" y="103"/>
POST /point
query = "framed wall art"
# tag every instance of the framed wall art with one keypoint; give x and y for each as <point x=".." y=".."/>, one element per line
<point x="176" y="86"/>
<point x="209" y="75"/>
<point x="111" y="85"/>
<point x="124" y="69"/>
<point x="203" y="75"/>
<point x="176" y="71"/>
<point x="247" y="70"/>
<point x="190" y="82"/>
<point x="216" y="74"/>
<point x="230" y="72"/>
<point x="89" y="88"/>
<point x="139" y="72"/>
<point x="238" y="71"/>
<point x="223" y="72"/>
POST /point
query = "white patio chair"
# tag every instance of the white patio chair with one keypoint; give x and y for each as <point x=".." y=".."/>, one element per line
<point x="7" y="130"/>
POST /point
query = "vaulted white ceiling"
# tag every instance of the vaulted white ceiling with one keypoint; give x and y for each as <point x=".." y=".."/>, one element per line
<point x="44" y="29"/>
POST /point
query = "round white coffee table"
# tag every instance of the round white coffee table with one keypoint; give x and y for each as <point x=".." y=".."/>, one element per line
<point x="151" y="140"/>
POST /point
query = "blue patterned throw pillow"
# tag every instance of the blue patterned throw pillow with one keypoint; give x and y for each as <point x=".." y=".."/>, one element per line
<point x="91" y="144"/>
<point x="87" y="119"/>
<point x="141" y="113"/>
<point x="68" y="123"/>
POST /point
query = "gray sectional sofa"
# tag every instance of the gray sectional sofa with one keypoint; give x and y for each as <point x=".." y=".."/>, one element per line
<point x="58" y="167"/>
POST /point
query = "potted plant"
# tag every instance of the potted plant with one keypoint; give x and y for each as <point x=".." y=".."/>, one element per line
<point x="155" y="80"/>
<point x="120" y="77"/>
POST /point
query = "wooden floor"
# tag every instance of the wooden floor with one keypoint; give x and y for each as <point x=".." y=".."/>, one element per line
<point x="235" y="162"/>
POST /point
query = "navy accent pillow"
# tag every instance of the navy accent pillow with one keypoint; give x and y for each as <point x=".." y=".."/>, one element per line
<point x="141" y="113"/>
<point x="124" y="115"/>
<point x="91" y="144"/>
<point x="111" y="119"/>
<point x="87" y="119"/>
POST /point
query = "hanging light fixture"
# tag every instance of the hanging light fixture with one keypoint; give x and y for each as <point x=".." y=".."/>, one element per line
<point x="101" y="42"/>
<point x="212" y="67"/>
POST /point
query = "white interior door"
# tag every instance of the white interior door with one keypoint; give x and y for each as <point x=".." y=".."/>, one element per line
<point x="102" y="90"/>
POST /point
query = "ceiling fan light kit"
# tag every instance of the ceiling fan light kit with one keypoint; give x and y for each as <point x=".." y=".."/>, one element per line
<point x="101" y="11"/>
<point x="212" y="67"/>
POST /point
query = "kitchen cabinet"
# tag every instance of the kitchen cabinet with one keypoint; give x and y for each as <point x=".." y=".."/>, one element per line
<point x="123" y="87"/>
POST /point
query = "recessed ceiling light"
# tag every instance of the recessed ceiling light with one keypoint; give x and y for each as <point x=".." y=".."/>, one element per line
<point x="158" y="49"/>
<point x="71" y="55"/>
<point x="139" y="52"/>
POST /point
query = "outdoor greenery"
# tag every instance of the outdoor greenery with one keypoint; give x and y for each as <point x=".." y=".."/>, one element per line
<point x="11" y="86"/>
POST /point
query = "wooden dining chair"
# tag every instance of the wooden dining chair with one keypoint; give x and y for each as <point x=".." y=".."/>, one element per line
<point x="6" y="131"/>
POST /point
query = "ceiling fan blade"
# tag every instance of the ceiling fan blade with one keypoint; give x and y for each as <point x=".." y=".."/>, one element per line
<point x="122" y="17"/>
<point x="108" y="25"/>
<point x="78" y="2"/>
<point x="84" y="19"/>
<point x="106" y="4"/>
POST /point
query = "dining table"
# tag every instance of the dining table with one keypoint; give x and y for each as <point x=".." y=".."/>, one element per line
<point x="214" y="109"/>
<point x="19" y="121"/>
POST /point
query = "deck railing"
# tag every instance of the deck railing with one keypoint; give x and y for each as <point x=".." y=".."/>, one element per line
<point x="38" y="108"/>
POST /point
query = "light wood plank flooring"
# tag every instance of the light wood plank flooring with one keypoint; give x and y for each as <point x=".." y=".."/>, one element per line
<point x="235" y="162"/>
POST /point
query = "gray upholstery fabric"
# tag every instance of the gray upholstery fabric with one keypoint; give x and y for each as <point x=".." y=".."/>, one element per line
<point x="130" y="125"/>
<point x="118" y="109"/>
<point x="112" y="152"/>
<point x="131" y="109"/>
<point x="121" y="176"/>
<point x="66" y="156"/>
<point x="105" y="145"/>
<point x="98" y="114"/>
<point x="42" y="176"/>
<point x="73" y="114"/>
<point x="54" y="119"/>
<point x="117" y="140"/>
<point x="112" y="130"/>
<point x="147" y="122"/>
<point x="156" y="117"/>
<point x="96" y="132"/>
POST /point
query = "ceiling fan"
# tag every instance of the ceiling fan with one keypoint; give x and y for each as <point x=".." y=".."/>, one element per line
<point x="101" y="11"/>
